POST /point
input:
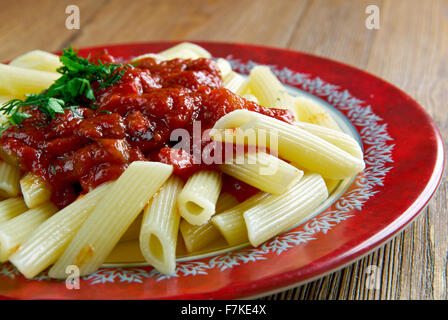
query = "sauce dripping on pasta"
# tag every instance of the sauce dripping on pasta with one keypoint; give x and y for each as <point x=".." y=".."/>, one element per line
<point x="132" y="120"/>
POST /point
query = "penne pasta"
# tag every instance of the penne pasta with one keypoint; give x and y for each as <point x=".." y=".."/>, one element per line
<point x="310" y="111"/>
<point x="335" y="137"/>
<point x="263" y="171"/>
<point x="9" y="180"/>
<point x="19" y="81"/>
<point x="231" y="222"/>
<point x="112" y="216"/>
<point x="268" y="90"/>
<point x="16" y="230"/>
<point x="197" y="200"/>
<point x="147" y="55"/>
<point x="198" y="237"/>
<point x="37" y="60"/>
<point x="185" y="50"/>
<point x="235" y="83"/>
<point x="10" y="208"/>
<point x="160" y="227"/>
<point x="272" y="216"/>
<point x="45" y="244"/>
<point x="34" y="190"/>
<point x="293" y="143"/>
<point x="251" y="97"/>
<point x="224" y="66"/>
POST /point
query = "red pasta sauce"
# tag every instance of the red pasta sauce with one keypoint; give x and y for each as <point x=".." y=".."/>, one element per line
<point x="132" y="120"/>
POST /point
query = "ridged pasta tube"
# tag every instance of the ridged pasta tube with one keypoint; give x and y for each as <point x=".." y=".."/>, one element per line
<point x="235" y="83"/>
<point x="293" y="143"/>
<point x="112" y="216"/>
<point x="231" y="222"/>
<point x="198" y="237"/>
<point x="16" y="230"/>
<point x="37" y="60"/>
<point x="197" y="200"/>
<point x="263" y="171"/>
<point x="19" y="81"/>
<point x="335" y="137"/>
<point x="275" y="215"/>
<point x="10" y="208"/>
<point x="311" y="111"/>
<point x="270" y="92"/>
<point x="9" y="180"/>
<point x="160" y="226"/>
<point x="185" y="50"/>
<point x="45" y="244"/>
<point x="34" y="190"/>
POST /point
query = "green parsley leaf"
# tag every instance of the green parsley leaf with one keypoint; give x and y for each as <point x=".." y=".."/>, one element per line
<point x="71" y="90"/>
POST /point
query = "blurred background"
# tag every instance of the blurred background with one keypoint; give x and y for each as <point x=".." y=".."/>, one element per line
<point x="407" y="45"/>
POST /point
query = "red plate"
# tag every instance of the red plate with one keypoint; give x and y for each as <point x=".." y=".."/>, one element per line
<point x="404" y="163"/>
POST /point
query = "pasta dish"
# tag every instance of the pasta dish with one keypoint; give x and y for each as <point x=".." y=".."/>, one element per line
<point x="165" y="148"/>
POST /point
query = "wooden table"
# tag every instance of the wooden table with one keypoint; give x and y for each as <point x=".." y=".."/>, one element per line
<point x="410" y="50"/>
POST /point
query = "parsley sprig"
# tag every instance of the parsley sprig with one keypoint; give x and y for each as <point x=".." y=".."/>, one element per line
<point x="72" y="89"/>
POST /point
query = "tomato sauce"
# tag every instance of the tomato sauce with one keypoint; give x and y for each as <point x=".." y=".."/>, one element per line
<point x="131" y="120"/>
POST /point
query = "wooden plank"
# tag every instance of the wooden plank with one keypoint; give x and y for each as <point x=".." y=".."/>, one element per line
<point x="336" y="30"/>
<point x="219" y="20"/>
<point x="29" y="25"/>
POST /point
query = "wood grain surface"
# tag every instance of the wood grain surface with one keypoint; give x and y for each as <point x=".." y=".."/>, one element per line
<point x="410" y="50"/>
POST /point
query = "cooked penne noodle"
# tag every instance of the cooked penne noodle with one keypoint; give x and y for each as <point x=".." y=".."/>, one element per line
<point x="198" y="237"/>
<point x="45" y="244"/>
<point x="235" y="83"/>
<point x="278" y="213"/>
<point x="19" y="81"/>
<point x="251" y="97"/>
<point x="185" y="50"/>
<point x="270" y="92"/>
<point x="34" y="190"/>
<point x="147" y="55"/>
<point x="224" y="66"/>
<point x="10" y="208"/>
<point x="197" y="200"/>
<point x="231" y="222"/>
<point x="308" y="110"/>
<point x="16" y="230"/>
<point x="112" y="216"/>
<point x="293" y="143"/>
<point x="160" y="226"/>
<point x="263" y="171"/>
<point x="9" y="180"/>
<point x="335" y="137"/>
<point x="37" y="60"/>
